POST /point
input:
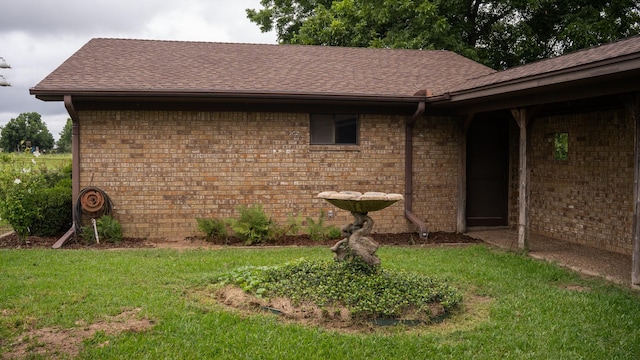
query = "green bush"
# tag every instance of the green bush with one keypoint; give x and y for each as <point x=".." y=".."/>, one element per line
<point x="215" y="230"/>
<point x="318" y="231"/>
<point x="34" y="199"/>
<point x="18" y="203"/>
<point x="294" y="223"/>
<point x="55" y="211"/>
<point x="253" y="226"/>
<point x="333" y="232"/>
<point x="109" y="230"/>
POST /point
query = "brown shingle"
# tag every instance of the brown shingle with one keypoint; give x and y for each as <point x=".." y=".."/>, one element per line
<point x="115" y="65"/>
<point x="568" y="62"/>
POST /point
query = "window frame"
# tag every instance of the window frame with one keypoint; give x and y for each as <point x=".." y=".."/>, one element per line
<point x="321" y="122"/>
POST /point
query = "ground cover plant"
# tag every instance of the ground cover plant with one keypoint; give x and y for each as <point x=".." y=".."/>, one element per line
<point x="350" y="291"/>
<point x="160" y="303"/>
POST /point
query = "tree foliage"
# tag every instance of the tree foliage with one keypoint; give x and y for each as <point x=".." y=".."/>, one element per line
<point x="26" y="130"/>
<point x="498" y="33"/>
<point x="64" y="143"/>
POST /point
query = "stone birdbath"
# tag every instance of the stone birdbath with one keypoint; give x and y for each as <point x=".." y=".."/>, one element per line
<point x="357" y="241"/>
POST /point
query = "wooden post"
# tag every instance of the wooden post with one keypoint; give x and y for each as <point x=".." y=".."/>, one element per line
<point x="462" y="182"/>
<point x="522" y="119"/>
<point x="633" y="105"/>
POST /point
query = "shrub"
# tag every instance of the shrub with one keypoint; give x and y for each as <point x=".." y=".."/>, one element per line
<point x="333" y="232"/>
<point x="213" y="229"/>
<point x="109" y="230"/>
<point x="35" y="200"/>
<point x="318" y="231"/>
<point x="55" y="211"/>
<point x="253" y="226"/>
<point x="291" y="228"/>
<point x="293" y="224"/>
<point x="18" y="202"/>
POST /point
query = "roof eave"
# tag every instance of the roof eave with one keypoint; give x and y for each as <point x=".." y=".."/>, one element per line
<point x="595" y="79"/>
<point x="213" y="96"/>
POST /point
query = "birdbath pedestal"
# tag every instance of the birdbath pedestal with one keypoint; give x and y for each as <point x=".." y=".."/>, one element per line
<point x="357" y="241"/>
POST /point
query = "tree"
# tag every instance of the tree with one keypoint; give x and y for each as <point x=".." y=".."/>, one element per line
<point x="498" y="33"/>
<point x="25" y="130"/>
<point x="64" y="143"/>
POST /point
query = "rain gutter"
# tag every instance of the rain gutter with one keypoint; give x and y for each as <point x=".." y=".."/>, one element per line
<point x="75" y="146"/>
<point x="195" y="96"/>
<point x="408" y="171"/>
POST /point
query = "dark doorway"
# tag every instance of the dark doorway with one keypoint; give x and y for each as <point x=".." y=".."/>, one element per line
<point x="488" y="170"/>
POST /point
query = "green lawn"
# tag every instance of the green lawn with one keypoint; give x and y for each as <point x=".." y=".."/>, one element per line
<point x="515" y="307"/>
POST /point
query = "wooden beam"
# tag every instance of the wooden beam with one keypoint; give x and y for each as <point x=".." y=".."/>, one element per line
<point x="462" y="179"/>
<point x="632" y="103"/>
<point x="523" y="117"/>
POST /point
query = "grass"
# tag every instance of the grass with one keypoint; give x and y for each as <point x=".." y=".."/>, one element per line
<point x="50" y="161"/>
<point x="515" y="307"/>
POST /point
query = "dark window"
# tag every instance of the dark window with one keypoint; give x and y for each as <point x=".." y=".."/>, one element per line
<point x="334" y="129"/>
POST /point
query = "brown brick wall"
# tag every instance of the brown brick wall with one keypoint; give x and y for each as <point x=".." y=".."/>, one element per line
<point x="588" y="198"/>
<point x="437" y="157"/>
<point x="164" y="169"/>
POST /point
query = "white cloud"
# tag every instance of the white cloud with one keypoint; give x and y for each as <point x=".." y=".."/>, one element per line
<point x="36" y="36"/>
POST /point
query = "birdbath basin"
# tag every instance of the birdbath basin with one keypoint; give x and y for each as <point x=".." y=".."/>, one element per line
<point x="357" y="241"/>
<point x="354" y="201"/>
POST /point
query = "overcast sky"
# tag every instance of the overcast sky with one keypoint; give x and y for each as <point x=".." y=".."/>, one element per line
<point x="36" y="36"/>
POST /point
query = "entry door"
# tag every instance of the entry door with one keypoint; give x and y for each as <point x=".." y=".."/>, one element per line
<point x="488" y="171"/>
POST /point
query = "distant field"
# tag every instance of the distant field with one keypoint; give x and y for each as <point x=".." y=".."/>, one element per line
<point x="50" y="161"/>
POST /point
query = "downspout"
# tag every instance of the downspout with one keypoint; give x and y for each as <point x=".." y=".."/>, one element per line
<point x="75" y="147"/>
<point x="75" y="167"/>
<point x="408" y="171"/>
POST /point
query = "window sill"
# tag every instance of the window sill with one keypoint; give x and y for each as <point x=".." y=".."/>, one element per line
<point x="343" y="148"/>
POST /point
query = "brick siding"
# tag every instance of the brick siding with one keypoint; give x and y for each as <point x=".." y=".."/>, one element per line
<point x="587" y="198"/>
<point x="437" y="157"/>
<point x="162" y="169"/>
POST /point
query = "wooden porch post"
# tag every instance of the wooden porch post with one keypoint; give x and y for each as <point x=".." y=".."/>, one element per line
<point x="462" y="183"/>
<point x="633" y="104"/>
<point x="522" y="119"/>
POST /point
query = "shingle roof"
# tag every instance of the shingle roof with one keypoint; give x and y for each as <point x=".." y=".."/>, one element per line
<point x="119" y="65"/>
<point x="592" y="57"/>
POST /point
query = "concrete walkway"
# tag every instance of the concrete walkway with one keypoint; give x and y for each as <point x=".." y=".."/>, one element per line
<point x="587" y="260"/>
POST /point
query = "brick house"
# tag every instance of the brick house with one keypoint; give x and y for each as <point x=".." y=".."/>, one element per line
<point x="173" y="130"/>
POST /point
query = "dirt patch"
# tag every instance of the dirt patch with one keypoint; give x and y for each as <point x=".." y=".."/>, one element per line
<point x="11" y="241"/>
<point x="329" y="317"/>
<point x="473" y="311"/>
<point x="306" y="313"/>
<point x="54" y="343"/>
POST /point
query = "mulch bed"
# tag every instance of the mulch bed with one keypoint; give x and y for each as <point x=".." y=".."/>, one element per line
<point x="13" y="242"/>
